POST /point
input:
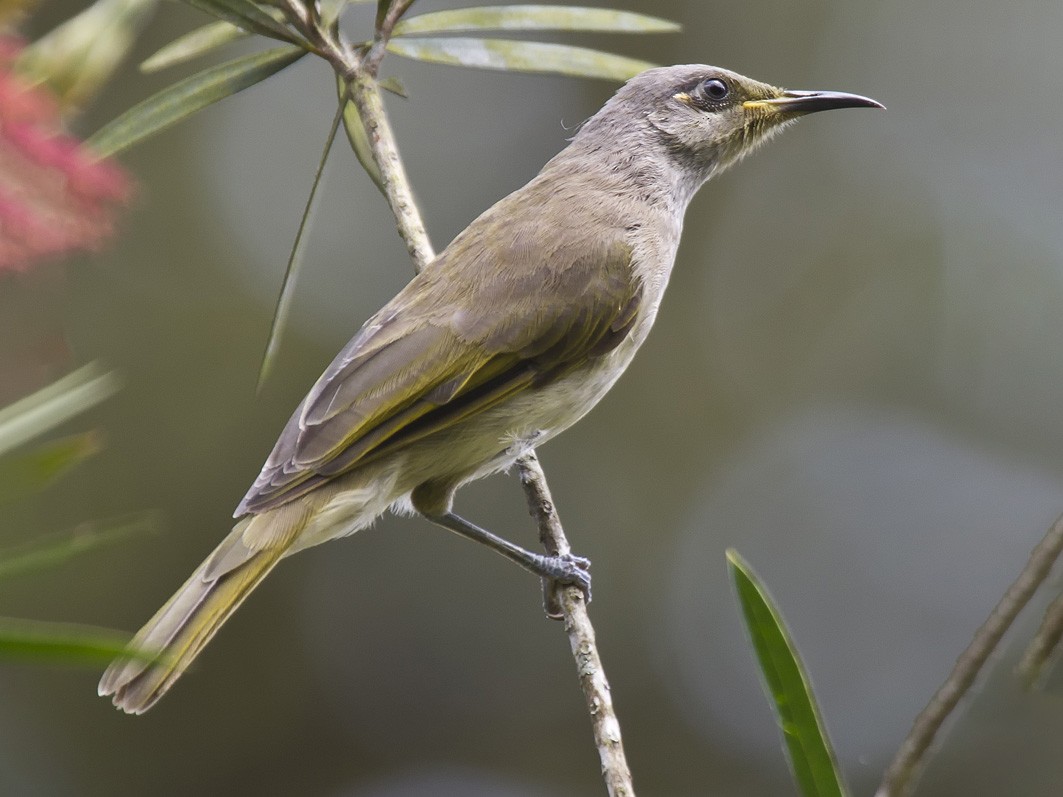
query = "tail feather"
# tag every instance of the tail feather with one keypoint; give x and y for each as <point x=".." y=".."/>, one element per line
<point x="191" y="618"/>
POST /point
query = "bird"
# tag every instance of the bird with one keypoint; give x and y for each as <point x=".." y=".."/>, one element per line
<point x="507" y="338"/>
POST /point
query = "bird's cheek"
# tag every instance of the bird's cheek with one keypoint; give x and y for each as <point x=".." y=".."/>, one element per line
<point x="680" y="126"/>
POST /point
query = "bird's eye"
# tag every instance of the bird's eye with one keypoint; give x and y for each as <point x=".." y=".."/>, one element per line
<point x="715" y="89"/>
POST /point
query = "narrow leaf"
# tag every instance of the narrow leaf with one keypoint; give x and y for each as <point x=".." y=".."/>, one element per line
<point x="295" y="259"/>
<point x="193" y="44"/>
<point x="519" y="56"/>
<point x="534" y="17"/>
<point x="36" y="469"/>
<point x="51" y="406"/>
<point x="359" y="138"/>
<point x="64" y="643"/>
<point x="395" y="86"/>
<point x="182" y="99"/>
<point x="812" y="758"/>
<point x="77" y="57"/>
<point x="57" y="550"/>
<point x="246" y="15"/>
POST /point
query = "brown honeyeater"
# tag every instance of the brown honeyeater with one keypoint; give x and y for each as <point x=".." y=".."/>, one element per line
<point x="511" y="335"/>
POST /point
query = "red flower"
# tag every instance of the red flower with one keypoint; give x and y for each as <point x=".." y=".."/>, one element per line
<point x="55" y="196"/>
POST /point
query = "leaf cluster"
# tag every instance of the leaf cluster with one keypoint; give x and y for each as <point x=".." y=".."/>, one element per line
<point x="424" y="37"/>
<point x="25" y="472"/>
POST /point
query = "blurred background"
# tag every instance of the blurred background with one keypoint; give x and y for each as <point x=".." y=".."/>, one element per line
<point x="855" y="380"/>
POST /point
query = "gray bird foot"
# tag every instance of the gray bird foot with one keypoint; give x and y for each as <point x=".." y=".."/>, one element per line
<point x="561" y="571"/>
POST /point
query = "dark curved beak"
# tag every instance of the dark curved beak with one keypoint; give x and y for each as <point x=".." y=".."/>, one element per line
<point x="802" y="102"/>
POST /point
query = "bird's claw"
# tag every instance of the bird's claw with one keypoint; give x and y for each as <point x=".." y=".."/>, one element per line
<point x="561" y="571"/>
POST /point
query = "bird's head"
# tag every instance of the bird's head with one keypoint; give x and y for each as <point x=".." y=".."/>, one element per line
<point x="707" y="118"/>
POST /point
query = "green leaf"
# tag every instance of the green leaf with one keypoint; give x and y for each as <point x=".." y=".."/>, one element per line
<point x="182" y="99"/>
<point x="36" y="469"/>
<point x="395" y="86"/>
<point x="359" y="139"/>
<point x="812" y="758"/>
<point x="57" y="550"/>
<point x="518" y="56"/>
<point x="533" y="17"/>
<point x="246" y="15"/>
<point x="77" y="58"/>
<point x="193" y="44"/>
<point x="217" y="34"/>
<point x="64" y="643"/>
<point x="295" y="259"/>
<point x="53" y="405"/>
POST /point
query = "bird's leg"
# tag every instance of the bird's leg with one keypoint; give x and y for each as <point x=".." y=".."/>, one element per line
<point x="563" y="568"/>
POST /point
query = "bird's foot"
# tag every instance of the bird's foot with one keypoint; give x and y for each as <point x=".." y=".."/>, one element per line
<point x="563" y="570"/>
<point x="559" y="570"/>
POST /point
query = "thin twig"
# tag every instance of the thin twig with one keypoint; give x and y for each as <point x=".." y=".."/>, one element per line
<point x="1044" y="643"/>
<point x="366" y="96"/>
<point x="592" y="680"/>
<point x="358" y="71"/>
<point x="900" y="777"/>
<point x="376" y="53"/>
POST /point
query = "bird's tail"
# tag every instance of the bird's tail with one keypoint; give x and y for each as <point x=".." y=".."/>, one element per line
<point x="169" y="642"/>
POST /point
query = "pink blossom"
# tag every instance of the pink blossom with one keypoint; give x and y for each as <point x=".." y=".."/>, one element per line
<point x="56" y="197"/>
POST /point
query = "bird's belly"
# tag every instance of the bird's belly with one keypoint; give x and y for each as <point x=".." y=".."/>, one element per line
<point x="557" y="406"/>
<point x="535" y="416"/>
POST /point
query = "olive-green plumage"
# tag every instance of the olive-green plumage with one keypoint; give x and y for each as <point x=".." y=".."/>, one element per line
<point x="511" y="335"/>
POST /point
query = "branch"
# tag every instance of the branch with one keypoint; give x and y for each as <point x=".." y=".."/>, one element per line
<point x="592" y="680"/>
<point x="357" y="70"/>
<point x="387" y="25"/>
<point x="365" y="93"/>
<point x="1044" y="643"/>
<point x="360" y="75"/>
<point x="899" y="778"/>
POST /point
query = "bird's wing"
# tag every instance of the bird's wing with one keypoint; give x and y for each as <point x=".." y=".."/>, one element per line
<point x="445" y="348"/>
